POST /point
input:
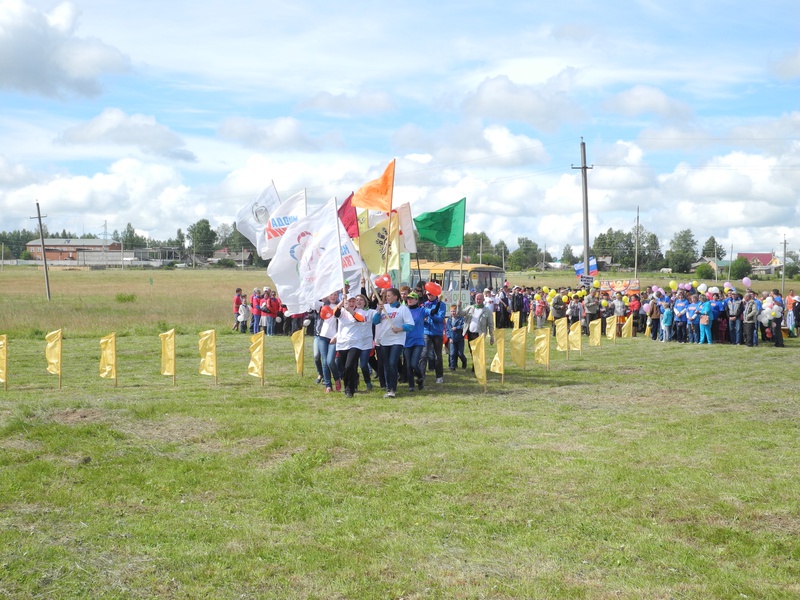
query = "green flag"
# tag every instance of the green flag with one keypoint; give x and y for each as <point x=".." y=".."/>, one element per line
<point x="443" y="227"/>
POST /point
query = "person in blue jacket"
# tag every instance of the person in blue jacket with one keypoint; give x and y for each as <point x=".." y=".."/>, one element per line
<point x="436" y="312"/>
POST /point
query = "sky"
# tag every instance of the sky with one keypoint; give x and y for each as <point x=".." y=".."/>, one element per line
<point x="160" y="113"/>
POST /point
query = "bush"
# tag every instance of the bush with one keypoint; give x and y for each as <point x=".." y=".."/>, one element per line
<point x="126" y="297"/>
<point x="705" y="271"/>
<point x="226" y="263"/>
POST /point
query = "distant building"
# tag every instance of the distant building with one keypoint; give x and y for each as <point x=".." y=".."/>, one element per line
<point x="762" y="262"/>
<point x="240" y="258"/>
<point x="70" y="248"/>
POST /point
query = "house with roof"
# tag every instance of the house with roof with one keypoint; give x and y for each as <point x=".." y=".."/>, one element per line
<point x="718" y="264"/>
<point x="69" y="249"/>
<point x="765" y="263"/>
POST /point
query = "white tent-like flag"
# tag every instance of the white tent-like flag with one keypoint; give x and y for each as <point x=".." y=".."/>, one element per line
<point x="252" y="218"/>
<point x="291" y="210"/>
<point x="407" y="241"/>
<point x="310" y="260"/>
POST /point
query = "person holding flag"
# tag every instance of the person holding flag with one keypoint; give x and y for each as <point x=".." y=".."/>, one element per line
<point x="434" y="329"/>
<point x="393" y="321"/>
<point x="478" y="320"/>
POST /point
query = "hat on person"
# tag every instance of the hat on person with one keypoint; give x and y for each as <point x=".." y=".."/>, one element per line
<point x="413" y="295"/>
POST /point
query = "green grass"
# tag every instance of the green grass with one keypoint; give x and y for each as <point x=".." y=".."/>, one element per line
<point x="638" y="470"/>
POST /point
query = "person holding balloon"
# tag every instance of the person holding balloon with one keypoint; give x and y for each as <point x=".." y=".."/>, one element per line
<point x="393" y="321"/>
<point x="434" y="328"/>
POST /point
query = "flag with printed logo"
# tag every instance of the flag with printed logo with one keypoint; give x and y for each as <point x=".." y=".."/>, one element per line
<point x="208" y="352"/>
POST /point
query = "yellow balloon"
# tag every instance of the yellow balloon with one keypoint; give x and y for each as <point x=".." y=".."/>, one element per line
<point x="546" y="290"/>
<point x="537" y="297"/>
<point x="564" y="298"/>
<point x="694" y="284"/>
<point x="625" y="299"/>
<point x="596" y="283"/>
<point x="673" y="285"/>
<point x="604" y="303"/>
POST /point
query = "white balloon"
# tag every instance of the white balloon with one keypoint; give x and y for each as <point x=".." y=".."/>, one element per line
<point x="702" y="288"/>
<point x="279" y="319"/>
<point x="306" y="322"/>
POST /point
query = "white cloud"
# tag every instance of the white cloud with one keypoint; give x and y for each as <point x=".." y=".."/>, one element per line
<point x="283" y="133"/>
<point x="113" y="126"/>
<point x="347" y="105"/>
<point x="40" y="54"/>
<point x="641" y="99"/>
<point x="544" y="107"/>
<point x="13" y="175"/>
<point x="788" y="67"/>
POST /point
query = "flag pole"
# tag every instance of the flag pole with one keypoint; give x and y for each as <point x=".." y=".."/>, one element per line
<point x="60" y="364"/>
<point x="391" y="204"/>
<point x="174" y="364"/>
<point x="262" y="357"/>
<point x="339" y="237"/>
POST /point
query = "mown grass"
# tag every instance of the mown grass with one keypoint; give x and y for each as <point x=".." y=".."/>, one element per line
<point x="639" y="470"/>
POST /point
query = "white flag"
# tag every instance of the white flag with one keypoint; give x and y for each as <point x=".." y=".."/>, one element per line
<point x="309" y="262"/>
<point x="288" y="212"/>
<point x="407" y="241"/>
<point x="252" y="218"/>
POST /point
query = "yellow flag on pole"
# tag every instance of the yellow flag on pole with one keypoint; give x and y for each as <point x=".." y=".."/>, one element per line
<point x="575" y="339"/>
<point x="108" y="356"/>
<point x="374" y="243"/>
<point x="52" y="352"/>
<point x="208" y="352"/>
<point x="4" y="359"/>
<point x="627" y="328"/>
<point x="515" y="319"/>
<point x="478" y="346"/>
<point x="562" y="337"/>
<point x="377" y="194"/>
<point x="168" y="352"/>
<point x="541" y="346"/>
<point x="499" y="361"/>
<point x="299" y="343"/>
<point x="519" y="350"/>
<point x="595" y="333"/>
<point x="256" y="366"/>
<point x="611" y="328"/>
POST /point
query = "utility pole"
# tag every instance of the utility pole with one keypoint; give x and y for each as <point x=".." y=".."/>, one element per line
<point x="783" y="269"/>
<point x="44" y="254"/>
<point x="635" y="249"/>
<point x="730" y="263"/>
<point x="585" y="183"/>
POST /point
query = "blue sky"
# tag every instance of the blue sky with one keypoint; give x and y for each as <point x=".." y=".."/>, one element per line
<point x="160" y="114"/>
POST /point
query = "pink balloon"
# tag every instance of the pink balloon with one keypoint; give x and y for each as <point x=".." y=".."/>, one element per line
<point x="746" y="282"/>
<point x="727" y="284"/>
<point x="646" y="307"/>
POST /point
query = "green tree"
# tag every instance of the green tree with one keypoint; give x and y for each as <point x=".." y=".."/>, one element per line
<point x="525" y="256"/>
<point x="682" y="252"/>
<point x="568" y="256"/>
<point x="650" y="256"/>
<point x="476" y="244"/>
<point x="712" y="249"/>
<point x="224" y="235"/>
<point x="704" y="271"/>
<point x="740" y="267"/>
<point x="202" y="237"/>
<point x="617" y="244"/>
<point x="130" y="239"/>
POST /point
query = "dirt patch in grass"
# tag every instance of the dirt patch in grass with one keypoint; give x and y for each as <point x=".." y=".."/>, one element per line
<point x="20" y="444"/>
<point x="79" y="415"/>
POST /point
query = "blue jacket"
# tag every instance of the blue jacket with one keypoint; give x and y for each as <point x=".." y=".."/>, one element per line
<point x="434" y="318"/>
<point x="415" y="337"/>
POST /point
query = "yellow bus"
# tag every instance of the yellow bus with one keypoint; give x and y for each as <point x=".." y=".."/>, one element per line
<point x="473" y="276"/>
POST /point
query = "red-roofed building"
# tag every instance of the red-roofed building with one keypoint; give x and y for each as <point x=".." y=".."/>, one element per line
<point x="762" y="262"/>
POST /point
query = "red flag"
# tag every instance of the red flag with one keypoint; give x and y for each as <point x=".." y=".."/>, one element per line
<point x="348" y="217"/>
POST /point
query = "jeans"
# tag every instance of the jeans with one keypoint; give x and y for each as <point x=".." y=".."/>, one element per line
<point x="327" y="353"/>
<point x="456" y="352"/>
<point x="415" y="364"/>
<point x="433" y="350"/>
<point x="270" y="325"/>
<point x="680" y="331"/>
<point x="735" y="331"/>
<point x="389" y="356"/>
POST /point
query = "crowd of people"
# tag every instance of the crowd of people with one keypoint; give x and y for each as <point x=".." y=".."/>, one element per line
<point x="398" y="335"/>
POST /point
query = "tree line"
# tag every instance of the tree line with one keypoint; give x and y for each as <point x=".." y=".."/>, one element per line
<point x="618" y="246"/>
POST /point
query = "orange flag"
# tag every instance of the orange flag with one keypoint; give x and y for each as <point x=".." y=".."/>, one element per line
<point x="377" y="194"/>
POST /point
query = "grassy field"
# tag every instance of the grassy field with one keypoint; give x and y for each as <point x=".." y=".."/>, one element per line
<point x="637" y="470"/>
